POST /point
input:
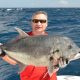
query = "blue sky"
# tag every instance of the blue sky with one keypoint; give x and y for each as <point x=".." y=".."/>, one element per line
<point x="39" y="3"/>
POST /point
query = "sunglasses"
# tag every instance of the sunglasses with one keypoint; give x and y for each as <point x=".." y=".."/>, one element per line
<point x="39" y="20"/>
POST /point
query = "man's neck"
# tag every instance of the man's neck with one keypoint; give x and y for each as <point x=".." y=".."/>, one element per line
<point x="38" y="33"/>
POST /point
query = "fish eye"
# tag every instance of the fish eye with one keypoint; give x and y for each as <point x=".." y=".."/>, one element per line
<point x="79" y="51"/>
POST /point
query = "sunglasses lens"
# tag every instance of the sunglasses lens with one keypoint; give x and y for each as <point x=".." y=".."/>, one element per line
<point x="42" y="21"/>
<point x="37" y="20"/>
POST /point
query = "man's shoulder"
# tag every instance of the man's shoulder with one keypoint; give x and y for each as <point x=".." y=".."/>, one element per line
<point x="30" y="33"/>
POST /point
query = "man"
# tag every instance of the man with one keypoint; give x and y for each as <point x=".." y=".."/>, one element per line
<point x="39" y="24"/>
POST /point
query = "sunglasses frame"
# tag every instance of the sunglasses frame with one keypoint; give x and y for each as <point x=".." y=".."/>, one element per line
<point x="39" y="20"/>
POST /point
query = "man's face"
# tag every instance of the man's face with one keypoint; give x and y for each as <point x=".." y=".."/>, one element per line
<point x="39" y="23"/>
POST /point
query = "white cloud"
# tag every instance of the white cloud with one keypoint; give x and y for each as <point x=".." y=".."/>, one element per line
<point x="64" y="2"/>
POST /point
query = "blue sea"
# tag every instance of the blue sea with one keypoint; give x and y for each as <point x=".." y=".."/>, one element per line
<point x="64" y="21"/>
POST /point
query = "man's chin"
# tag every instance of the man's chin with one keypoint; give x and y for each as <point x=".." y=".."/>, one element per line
<point x="39" y="30"/>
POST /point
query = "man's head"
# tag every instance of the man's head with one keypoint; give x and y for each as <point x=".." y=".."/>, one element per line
<point x="39" y="21"/>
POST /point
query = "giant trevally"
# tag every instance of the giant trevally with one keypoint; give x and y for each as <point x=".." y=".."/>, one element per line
<point x="42" y="50"/>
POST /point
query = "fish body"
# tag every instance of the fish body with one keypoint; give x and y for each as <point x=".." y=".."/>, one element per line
<point x="42" y="50"/>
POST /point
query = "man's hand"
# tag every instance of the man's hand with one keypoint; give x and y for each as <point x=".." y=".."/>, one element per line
<point x="6" y="58"/>
<point x="2" y="53"/>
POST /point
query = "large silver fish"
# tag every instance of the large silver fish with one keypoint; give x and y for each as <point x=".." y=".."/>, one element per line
<point x="42" y="50"/>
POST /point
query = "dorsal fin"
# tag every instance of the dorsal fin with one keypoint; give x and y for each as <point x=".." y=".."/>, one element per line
<point x="22" y="34"/>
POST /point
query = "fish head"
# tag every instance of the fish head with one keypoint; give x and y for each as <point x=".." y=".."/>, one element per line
<point x="63" y="52"/>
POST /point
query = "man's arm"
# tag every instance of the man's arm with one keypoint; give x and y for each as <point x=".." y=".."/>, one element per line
<point x="6" y="58"/>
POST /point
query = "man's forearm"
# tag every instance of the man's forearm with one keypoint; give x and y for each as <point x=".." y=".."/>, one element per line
<point x="6" y="58"/>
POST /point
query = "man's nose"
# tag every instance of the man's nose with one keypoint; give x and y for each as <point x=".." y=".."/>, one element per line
<point x="39" y="23"/>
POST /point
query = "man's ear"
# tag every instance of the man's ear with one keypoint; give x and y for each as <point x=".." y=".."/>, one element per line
<point x="47" y="23"/>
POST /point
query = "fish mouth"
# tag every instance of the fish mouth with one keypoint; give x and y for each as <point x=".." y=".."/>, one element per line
<point x="77" y="56"/>
<point x="63" y="62"/>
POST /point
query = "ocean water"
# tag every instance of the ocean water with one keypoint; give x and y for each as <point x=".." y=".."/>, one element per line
<point x="64" y="21"/>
